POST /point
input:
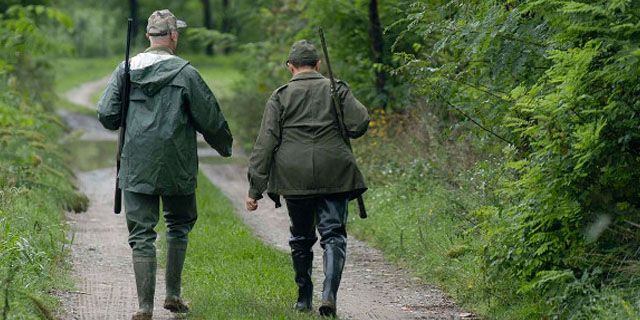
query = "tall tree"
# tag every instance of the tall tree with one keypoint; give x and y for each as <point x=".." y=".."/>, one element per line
<point x="208" y="23"/>
<point x="226" y="22"/>
<point x="377" y="50"/>
<point x="133" y="14"/>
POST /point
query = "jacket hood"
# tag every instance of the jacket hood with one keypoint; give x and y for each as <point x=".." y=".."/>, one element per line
<point x="155" y="76"/>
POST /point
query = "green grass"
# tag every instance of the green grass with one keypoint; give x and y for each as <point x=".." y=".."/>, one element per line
<point x="423" y="209"/>
<point x="71" y="72"/>
<point x="219" y="72"/>
<point x="229" y="273"/>
<point x="424" y="230"/>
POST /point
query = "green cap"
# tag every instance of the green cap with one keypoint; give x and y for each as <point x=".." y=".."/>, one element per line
<point x="303" y="53"/>
<point x="161" y="22"/>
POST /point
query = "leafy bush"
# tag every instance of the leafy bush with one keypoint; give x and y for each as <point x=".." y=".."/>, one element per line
<point x="35" y="184"/>
<point x="556" y="81"/>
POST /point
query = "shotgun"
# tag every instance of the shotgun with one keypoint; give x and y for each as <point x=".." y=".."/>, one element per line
<point x="124" y="109"/>
<point x="337" y="110"/>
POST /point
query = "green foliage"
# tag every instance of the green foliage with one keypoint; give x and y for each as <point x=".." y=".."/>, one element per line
<point x="35" y="184"/>
<point x="263" y="66"/>
<point x="23" y="43"/>
<point x="204" y="37"/>
<point x="558" y="80"/>
<point x="427" y="197"/>
<point x="578" y="128"/>
<point x="346" y="25"/>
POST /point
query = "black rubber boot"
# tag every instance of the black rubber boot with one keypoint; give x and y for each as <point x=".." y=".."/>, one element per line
<point x="302" y="265"/>
<point x="334" y="258"/>
<point x="144" y="269"/>
<point x="176" y="253"/>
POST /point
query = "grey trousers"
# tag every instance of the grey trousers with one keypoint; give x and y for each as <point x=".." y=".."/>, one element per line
<point x="142" y="214"/>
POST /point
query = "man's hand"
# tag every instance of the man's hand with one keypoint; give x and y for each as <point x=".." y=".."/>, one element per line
<point x="251" y="204"/>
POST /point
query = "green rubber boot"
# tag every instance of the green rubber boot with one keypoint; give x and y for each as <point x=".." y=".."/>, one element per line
<point x="144" y="269"/>
<point x="176" y="253"/>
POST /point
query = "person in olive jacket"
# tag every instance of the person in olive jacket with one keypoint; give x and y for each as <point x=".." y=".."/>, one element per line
<point x="301" y="155"/>
<point x="169" y="103"/>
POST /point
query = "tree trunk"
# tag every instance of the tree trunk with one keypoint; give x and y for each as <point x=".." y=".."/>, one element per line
<point x="377" y="49"/>
<point x="208" y="23"/>
<point x="226" y="22"/>
<point x="133" y="14"/>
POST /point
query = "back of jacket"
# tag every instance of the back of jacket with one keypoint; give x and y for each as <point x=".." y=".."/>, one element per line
<point x="300" y="150"/>
<point x="169" y="103"/>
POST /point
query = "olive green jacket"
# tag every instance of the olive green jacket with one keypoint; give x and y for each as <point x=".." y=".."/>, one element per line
<point x="299" y="150"/>
<point x="169" y="103"/>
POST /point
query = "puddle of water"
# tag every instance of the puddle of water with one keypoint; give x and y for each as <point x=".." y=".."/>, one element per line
<point x="91" y="155"/>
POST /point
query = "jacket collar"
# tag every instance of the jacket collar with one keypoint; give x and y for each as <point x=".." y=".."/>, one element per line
<point x="160" y="50"/>
<point x="307" y="75"/>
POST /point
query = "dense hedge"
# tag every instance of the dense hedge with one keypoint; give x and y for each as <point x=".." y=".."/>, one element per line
<point x="35" y="184"/>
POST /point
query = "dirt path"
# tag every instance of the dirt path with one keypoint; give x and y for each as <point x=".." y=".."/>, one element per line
<point x="371" y="288"/>
<point x="81" y="95"/>
<point x="102" y="267"/>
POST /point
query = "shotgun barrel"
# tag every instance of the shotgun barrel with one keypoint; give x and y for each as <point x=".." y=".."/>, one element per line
<point x="124" y="109"/>
<point x="337" y="110"/>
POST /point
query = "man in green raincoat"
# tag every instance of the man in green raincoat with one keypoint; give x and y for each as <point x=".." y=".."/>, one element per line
<point x="169" y="103"/>
<point x="301" y="155"/>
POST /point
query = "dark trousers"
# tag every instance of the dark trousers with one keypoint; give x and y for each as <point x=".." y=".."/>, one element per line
<point x="142" y="213"/>
<point x="327" y="213"/>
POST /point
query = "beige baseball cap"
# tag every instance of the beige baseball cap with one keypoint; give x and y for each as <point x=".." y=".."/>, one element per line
<point x="161" y="22"/>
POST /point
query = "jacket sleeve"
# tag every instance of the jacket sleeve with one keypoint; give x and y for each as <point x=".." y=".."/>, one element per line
<point x="109" y="105"/>
<point x="207" y="118"/>
<point x="266" y="143"/>
<point x="354" y="113"/>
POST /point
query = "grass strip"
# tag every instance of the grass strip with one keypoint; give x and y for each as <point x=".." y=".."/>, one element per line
<point x="230" y="274"/>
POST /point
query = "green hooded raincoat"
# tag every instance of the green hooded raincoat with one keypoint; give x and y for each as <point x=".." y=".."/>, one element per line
<point x="169" y="103"/>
